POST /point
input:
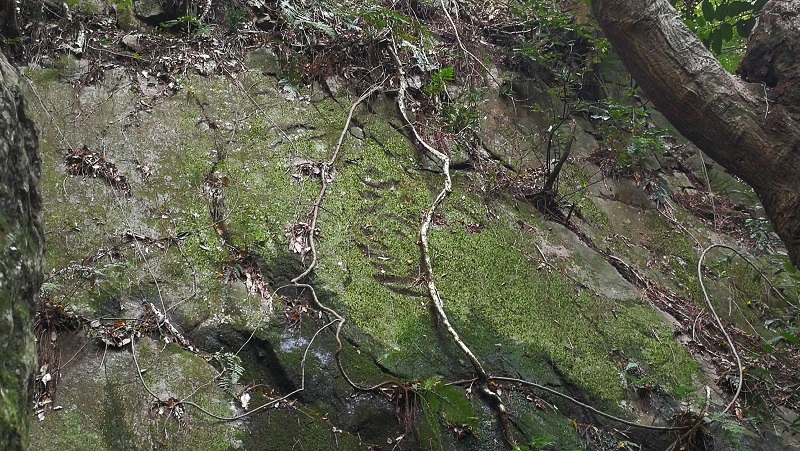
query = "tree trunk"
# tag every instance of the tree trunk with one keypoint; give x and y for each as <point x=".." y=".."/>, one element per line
<point x="21" y="255"/>
<point x="749" y="128"/>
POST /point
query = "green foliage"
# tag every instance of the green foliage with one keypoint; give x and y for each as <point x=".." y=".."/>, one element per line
<point x="380" y="20"/>
<point x="188" y="23"/>
<point x="629" y="133"/>
<point x="123" y="5"/>
<point x="300" y="17"/>
<point x="541" y="442"/>
<point x="439" y="81"/>
<point x="342" y="19"/>
<point x="730" y="424"/>
<point x="234" y="18"/>
<point x="759" y="230"/>
<point x="718" y="22"/>
<point x="463" y="113"/>
<point x="232" y="370"/>
<point x="449" y="402"/>
<point x="553" y="39"/>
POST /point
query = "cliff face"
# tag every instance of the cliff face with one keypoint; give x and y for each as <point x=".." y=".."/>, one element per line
<point x="21" y="258"/>
<point x="198" y="206"/>
<point x="229" y="239"/>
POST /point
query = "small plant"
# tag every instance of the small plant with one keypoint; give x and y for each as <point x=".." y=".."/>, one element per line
<point x="439" y="81"/>
<point x="629" y="133"/>
<point x="758" y="230"/>
<point x="235" y="17"/>
<point x="188" y="23"/>
<point x="122" y="5"/>
<point x="232" y="371"/>
<point x="730" y="424"/>
<point x="463" y="113"/>
<point x="447" y="403"/>
<point x="541" y="442"/>
<point x="66" y="65"/>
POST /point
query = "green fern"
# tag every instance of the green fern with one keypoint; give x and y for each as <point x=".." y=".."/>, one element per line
<point x="439" y="81"/>
<point x="298" y="18"/>
<point x="730" y="424"/>
<point x="232" y="371"/>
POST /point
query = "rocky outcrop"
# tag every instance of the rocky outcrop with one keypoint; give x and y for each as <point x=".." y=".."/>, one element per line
<point x="186" y="209"/>
<point x="21" y="256"/>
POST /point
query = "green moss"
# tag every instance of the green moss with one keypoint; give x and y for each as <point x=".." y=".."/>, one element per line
<point x="370" y="255"/>
<point x="66" y="66"/>
<point x="593" y="214"/>
<point x="117" y="432"/>
<point x="41" y="76"/>
<point x="549" y="430"/>
<point x="71" y="430"/>
<point x="738" y="292"/>
<point x="308" y="431"/>
<point x="676" y="252"/>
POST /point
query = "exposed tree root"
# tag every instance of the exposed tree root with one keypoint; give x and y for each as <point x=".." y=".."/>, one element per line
<point x="433" y="291"/>
<point x="584" y="405"/>
<point x="719" y="321"/>
<point x="324" y="175"/>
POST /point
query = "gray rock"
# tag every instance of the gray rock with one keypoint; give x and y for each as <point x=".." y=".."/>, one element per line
<point x="336" y="84"/>
<point x="149" y="10"/>
<point x="265" y="60"/>
<point x="265" y="23"/>
<point x="357" y="132"/>
<point x="131" y="41"/>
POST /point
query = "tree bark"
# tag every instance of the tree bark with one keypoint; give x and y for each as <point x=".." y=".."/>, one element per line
<point x="743" y="126"/>
<point x="21" y="256"/>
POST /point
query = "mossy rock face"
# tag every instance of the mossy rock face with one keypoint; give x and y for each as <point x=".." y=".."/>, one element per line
<point x="218" y="181"/>
<point x="21" y="257"/>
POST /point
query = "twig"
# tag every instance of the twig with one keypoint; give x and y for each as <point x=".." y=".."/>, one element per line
<point x="323" y="177"/>
<point x="553" y="176"/>
<point x="261" y="109"/>
<point x="53" y="122"/>
<point x="274" y="401"/>
<point x="61" y="367"/>
<point x="139" y="369"/>
<point x="586" y="406"/>
<point x="710" y="192"/>
<point x="295" y="282"/>
<point x="461" y="44"/>
<point x="337" y="336"/>
<point x="249" y="412"/>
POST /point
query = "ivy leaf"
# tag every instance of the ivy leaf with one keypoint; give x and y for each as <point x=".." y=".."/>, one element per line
<point x="450" y="402"/>
<point x="738" y="7"/>
<point x="726" y="31"/>
<point x="716" y="42"/>
<point x="744" y="27"/>
<point x="708" y="10"/>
